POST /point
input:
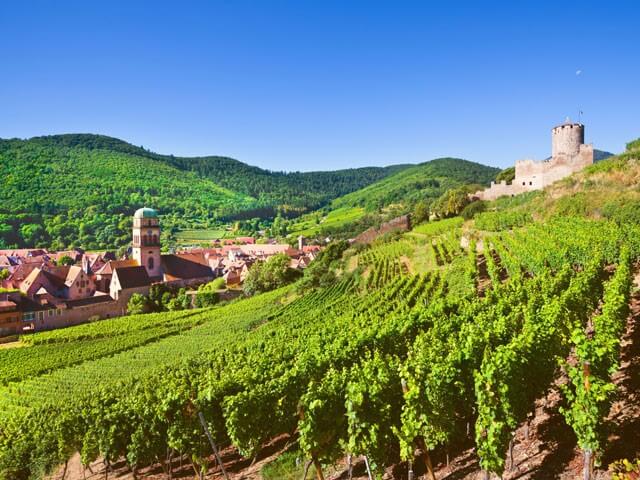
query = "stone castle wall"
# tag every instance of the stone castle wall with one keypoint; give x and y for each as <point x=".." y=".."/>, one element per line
<point x="569" y="155"/>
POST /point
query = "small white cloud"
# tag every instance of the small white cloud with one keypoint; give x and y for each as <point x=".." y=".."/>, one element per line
<point x="578" y="72"/>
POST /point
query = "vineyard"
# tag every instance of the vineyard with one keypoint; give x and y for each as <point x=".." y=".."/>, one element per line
<point x="398" y="361"/>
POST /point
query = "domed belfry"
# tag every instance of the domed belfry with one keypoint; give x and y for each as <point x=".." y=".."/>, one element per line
<point x="146" y="241"/>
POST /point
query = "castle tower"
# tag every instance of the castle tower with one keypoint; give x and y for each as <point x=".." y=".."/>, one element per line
<point x="566" y="139"/>
<point x="146" y="240"/>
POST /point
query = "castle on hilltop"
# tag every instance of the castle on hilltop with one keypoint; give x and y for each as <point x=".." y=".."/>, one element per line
<point x="569" y="154"/>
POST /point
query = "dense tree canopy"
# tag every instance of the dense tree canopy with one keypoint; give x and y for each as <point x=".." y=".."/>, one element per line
<point x="80" y="190"/>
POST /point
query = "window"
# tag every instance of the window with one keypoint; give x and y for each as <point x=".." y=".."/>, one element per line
<point x="524" y="183"/>
<point x="28" y="316"/>
<point x="58" y="312"/>
<point x="51" y="312"/>
<point x="530" y="183"/>
<point x="41" y="316"/>
<point x="150" y="263"/>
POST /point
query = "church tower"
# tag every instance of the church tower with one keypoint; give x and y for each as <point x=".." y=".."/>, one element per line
<point x="146" y="240"/>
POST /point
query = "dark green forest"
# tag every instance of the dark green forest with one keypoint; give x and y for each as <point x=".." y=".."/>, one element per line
<point x="80" y="190"/>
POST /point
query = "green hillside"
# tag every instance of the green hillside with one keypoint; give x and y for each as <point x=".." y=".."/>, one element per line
<point x="296" y="190"/>
<point x="391" y="196"/>
<point x="60" y="196"/>
<point x="419" y="182"/>
<point x="80" y="190"/>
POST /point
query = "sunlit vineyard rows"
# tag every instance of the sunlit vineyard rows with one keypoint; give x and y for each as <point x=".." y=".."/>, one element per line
<point x="388" y="359"/>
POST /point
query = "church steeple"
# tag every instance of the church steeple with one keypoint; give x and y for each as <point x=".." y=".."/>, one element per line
<point x="146" y="240"/>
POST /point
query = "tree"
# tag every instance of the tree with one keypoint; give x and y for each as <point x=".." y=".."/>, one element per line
<point x="421" y="212"/>
<point x="507" y="175"/>
<point x="137" y="304"/>
<point x="269" y="275"/>
<point x="473" y="209"/>
<point x="31" y="233"/>
<point x="320" y="272"/>
<point x="206" y="299"/>
<point x="66" y="260"/>
<point x="451" y="203"/>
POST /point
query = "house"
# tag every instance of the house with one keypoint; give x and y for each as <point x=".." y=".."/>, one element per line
<point x="185" y="269"/>
<point x="232" y="277"/>
<point x="78" y="284"/>
<point x="76" y="255"/>
<point x="40" y="280"/>
<point x="10" y="314"/>
<point x="125" y="281"/>
<point x="104" y="274"/>
<point x="19" y="274"/>
<point x="61" y="282"/>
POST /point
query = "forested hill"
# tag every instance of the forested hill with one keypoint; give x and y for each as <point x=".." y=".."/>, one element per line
<point x="424" y="181"/>
<point x="293" y="190"/>
<point x="418" y="187"/>
<point x="80" y="190"/>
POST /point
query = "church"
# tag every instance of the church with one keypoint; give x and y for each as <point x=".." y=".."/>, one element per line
<point x="148" y="265"/>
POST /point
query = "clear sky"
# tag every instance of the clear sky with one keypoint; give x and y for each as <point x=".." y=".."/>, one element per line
<point x="310" y="85"/>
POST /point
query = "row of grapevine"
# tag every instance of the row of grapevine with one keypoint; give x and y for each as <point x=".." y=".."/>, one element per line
<point x="331" y="364"/>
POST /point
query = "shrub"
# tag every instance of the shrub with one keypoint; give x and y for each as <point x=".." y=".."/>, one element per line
<point x="571" y="205"/>
<point x="206" y="299"/>
<point x="635" y="145"/>
<point x="623" y="211"/>
<point x="473" y="209"/>
<point x="212" y="286"/>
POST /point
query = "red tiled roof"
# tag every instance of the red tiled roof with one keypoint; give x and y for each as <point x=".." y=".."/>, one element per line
<point x="110" y="266"/>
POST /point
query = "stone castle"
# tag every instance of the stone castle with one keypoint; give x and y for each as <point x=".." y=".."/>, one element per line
<point x="569" y="154"/>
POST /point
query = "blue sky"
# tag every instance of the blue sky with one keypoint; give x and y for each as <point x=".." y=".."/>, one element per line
<point x="311" y="85"/>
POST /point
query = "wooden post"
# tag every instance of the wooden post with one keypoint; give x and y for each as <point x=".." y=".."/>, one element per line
<point x="586" y="372"/>
<point x="316" y="464"/>
<point x="427" y="458"/>
<point x="586" y="467"/>
<point x="410" y="472"/>
<point x="511" y="462"/>
<point x="213" y="445"/>
<point x="366" y="462"/>
<point x="349" y="467"/>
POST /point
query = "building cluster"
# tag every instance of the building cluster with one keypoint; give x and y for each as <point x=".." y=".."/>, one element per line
<point x="39" y="293"/>
<point x="569" y="154"/>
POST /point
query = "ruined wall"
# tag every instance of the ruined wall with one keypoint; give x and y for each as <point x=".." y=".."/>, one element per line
<point x="402" y="224"/>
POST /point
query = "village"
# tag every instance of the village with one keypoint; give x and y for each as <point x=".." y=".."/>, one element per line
<point x="43" y="290"/>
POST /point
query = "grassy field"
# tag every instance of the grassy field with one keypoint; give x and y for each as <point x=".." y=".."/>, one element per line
<point x="188" y="236"/>
<point x="308" y="226"/>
